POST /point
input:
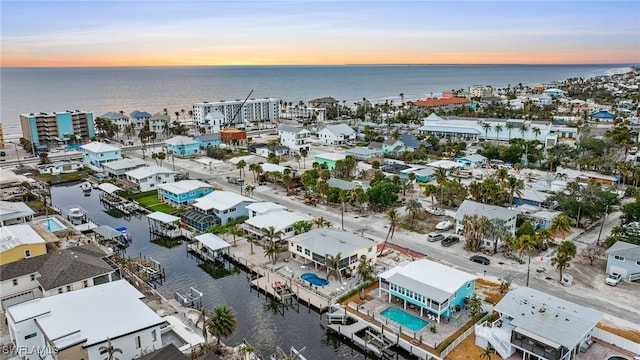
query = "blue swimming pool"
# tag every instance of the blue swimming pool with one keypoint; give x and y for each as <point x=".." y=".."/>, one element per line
<point x="314" y="279"/>
<point x="52" y="224"/>
<point x="404" y="318"/>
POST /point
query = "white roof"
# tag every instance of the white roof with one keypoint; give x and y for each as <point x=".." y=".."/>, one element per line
<point x="180" y="140"/>
<point x="331" y="156"/>
<point x="269" y="167"/>
<point x="13" y="210"/>
<point x="547" y="316"/>
<point x="469" y="207"/>
<point x="15" y="235"/>
<point x="280" y="220"/>
<point x="162" y="217"/>
<point x="332" y="241"/>
<point x="212" y="242"/>
<point x="95" y="313"/>
<point x="429" y="278"/>
<point x="123" y="163"/>
<point x="446" y="164"/>
<point x="265" y="206"/>
<point x="339" y="129"/>
<point x="184" y="186"/>
<point x="147" y="171"/>
<point x="108" y="188"/>
<point x="220" y="200"/>
<point x="99" y="147"/>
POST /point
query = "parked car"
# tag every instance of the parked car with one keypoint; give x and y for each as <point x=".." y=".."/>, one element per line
<point x="613" y="279"/>
<point x="480" y="259"/>
<point x="432" y="237"/>
<point x="450" y="240"/>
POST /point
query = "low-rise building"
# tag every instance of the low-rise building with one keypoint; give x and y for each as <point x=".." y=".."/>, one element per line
<point x="119" y="168"/>
<point x="139" y="118"/>
<point x="20" y="242"/>
<point x="329" y="159"/>
<point x="436" y="289"/>
<point x="208" y="140"/>
<point x="363" y="153"/>
<point x="70" y="324"/>
<point x="60" y="167"/>
<point x="472" y="161"/>
<point x="121" y="120"/>
<point x="337" y="134"/>
<point x="182" y="146"/>
<point x="149" y="177"/>
<point x="158" y="122"/>
<point x="624" y="258"/>
<point x="294" y="138"/>
<point x="12" y="213"/>
<point x="281" y="221"/>
<point x="469" y="207"/>
<point x="265" y="207"/>
<point x="184" y="192"/>
<point x="97" y="153"/>
<point x="217" y="208"/>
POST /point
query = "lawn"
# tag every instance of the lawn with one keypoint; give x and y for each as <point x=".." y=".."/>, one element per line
<point x="167" y="209"/>
<point x="149" y="201"/>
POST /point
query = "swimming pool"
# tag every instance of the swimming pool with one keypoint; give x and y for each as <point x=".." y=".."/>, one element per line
<point x="52" y="224"/>
<point x="314" y="279"/>
<point x="404" y="318"/>
<point x="170" y="336"/>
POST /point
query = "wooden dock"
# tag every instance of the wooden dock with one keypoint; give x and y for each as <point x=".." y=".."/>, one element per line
<point x="281" y="288"/>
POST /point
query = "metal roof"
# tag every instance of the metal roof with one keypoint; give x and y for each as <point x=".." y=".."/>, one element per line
<point x="330" y="241"/>
<point x="162" y="217"/>
<point x="212" y="242"/>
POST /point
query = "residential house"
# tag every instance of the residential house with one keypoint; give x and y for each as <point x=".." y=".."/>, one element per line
<point x="624" y="258"/>
<point x="12" y="213"/>
<point x="158" y="122"/>
<point x="469" y="207"/>
<point x="265" y="151"/>
<point x="530" y="196"/>
<point x="391" y="145"/>
<point x="586" y="176"/>
<point x="182" y="146"/>
<point x="184" y="192"/>
<point x="55" y="273"/>
<point x="347" y="185"/>
<point x="472" y="161"/>
<point x="217" y="208"/>
<point x="97" y="153"/>
<point x="537" y="325"/>
<point x="262" y="208"/>
<point x="314" y="246"/>
<point x="20" y="242"/>
<point x="149" y="177"/>
<point x="540" y="218"/>
<point x="281" y="221"/>
<point x="168" y="352"/>
<point x="139" y="118"/>
<point x="329" y="159"/>
<point x="209" y="246"/>
<point x="422" y="174"/>
<point x="363" y="153"/>
<point x="70" y="324"/>
<point x="448" y="165"/>
<point x="294" y="138"/>
<point x="337" y="134"/>
<point x="121" y="120"/>
<point x="213" y="122"/>
<point x="60" y="167"/>
<point x="436" y="289"/>
<point x="208" y="140"/>
<point x="554" y="93"/>
<point x="119" y="168"/>
<point x="411" y="142"/>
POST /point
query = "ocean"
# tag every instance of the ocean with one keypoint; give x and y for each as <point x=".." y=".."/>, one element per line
<point x="152" y="89"/>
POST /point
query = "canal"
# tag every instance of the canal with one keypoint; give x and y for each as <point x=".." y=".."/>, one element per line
<point x="259" y="322"/>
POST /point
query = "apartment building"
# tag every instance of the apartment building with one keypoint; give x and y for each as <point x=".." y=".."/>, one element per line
<point x="57" y="127"/>
<point x="251" y="111"/>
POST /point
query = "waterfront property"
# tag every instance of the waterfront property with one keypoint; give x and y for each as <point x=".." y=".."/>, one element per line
<point x="213" y="122"/>
<point x="538" y="325"/>
<point x="119" y="168"/>
<point x="164" y="225"/>
<point x="316" y="245"/>
<point x="139" y="118"/>
<point x="238" y="111"/>
<point x="217" y="208"/>
<point x="337" y="134"/>
<point x="437" y="290"/>
<point x="58" y="127"/>
<point x="158" y="122"/>
<point x="66" y="323"/>
<point x="624" y="258"/>
<point x="12" y="213"/>
<point x="20" y="242"/>
<point x="184" y="192"/>
<point x="294" y="138"/>
<point x="282" y="222"/>
<point x="404" y="318"/>
<point x="182" y="146"/>
<point x="97" y="153"/>
<point x="329" y="159"/>
<point x="209" y="247"/>
<point x="469" y="207"/>
<point x="55" y="273"/>
<point x="149" y="177"/>
<point x="60" y="167"/>
<point x="121" y="120"/>
<point x="422" y="174"/>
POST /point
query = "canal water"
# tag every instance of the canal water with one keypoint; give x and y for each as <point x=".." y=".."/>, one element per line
<point x="259" y="322"/>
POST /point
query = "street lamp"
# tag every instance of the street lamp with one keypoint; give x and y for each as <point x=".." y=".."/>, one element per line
<point x="17" y="153"/>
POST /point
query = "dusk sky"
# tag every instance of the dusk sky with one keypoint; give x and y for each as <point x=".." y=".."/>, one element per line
<point x="120" y="33"/>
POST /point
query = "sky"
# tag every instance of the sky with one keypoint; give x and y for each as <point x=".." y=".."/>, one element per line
<point x="168" y="33"/>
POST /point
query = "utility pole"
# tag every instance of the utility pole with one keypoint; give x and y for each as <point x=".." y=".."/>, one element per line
<point x="606" y="212"/>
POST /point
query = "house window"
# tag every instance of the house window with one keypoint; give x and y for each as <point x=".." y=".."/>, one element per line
<point x="32" y="335"/>
<point x="27" y="253"/>
<point x="618" y="257"/>
<point x="59" y="290"/>
<point x="138" y="343"/>
<point x="307" y="252"/>
<point x="638" y="262"/>
<point x="298" y="248"/>
<point x="15" y="282"/>
<point x="154" y="335"/>
<point x="468" y="285"/>
<point x="33" y="277"/>
<point x="192" y="193"/>
<point x="85" y="283"/>
<point x="68" y="287"/>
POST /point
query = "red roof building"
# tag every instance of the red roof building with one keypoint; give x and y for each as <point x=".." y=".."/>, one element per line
<point x="444" y="103"/>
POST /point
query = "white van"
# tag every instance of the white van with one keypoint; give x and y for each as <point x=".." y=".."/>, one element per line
<point x="434" y="236"/>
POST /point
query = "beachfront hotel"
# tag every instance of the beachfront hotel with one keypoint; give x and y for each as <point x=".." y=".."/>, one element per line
<point x="57" y="127"/>
<point x="252" y="110"/>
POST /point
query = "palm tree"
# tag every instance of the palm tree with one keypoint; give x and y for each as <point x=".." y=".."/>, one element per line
<point x="304" y="154"/>
<point x="560" y="224"/>
<point x="523" y="129"/>
<point x="486" y="127"/>
<point x="429" y="190"/>
<point x="509" y="127"/>
<point x="110" y="350"/>
<point x="497" y="231"/>
<point x="240" y="166"/>
<point x="344" y="196"/>
<point x="440" y="175"/>
<point x="392" y="216"/>
<point x="413" y="208"/>
<point x="566" y="252"/>
<point x="222" y="323"/>
<point x="364" y="269"/>
<point x="486" y="354"/>
<point x="526" y="243"/>
<point x="536" y="130"/>
<point x="234" y="231"/>
<point x="514" y="186"/>
<point x="333" y="266"/>
<point x="498" y="129"/>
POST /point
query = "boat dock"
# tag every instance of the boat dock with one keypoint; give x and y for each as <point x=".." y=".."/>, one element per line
<point x="283" y="289"/>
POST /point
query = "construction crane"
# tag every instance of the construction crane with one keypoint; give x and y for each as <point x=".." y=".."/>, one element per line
<point x="233" y="119"/>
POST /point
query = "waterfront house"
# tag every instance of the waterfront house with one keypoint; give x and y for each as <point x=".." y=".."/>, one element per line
<point x="164" y="225"/>
<point x="217" y="208"/>
<point x="446" y="104"/>
<point x="294" y="138"/>
<point x="363" y="153"/>
<point x="624" y="258"/>
<point x="60" y="167"/>
<point x="265" y="207"/>
<point x="121" y="120"/>
<point x="119" y="168"/>
<point x="57" y="127"/>
<point x="213" y="122"/>
<point x="208" y="140"/>
<point x="281" y="220"/>
<point x="538" y="325"/>
<point x="183" y="192"/>
<point x="12" y="213"/>
<point x="149" y="177"/>
<point x="315" y="246"/>
<point x="436" y="289"/>
<point x="554" y="93"/>
<point x="158" y="122"/>
<point x="97" y="153"/>
<point x="70" y="324"/>
<point x="139" y="118"/>
<point x="182" y="146"/>
<point x="469" y="207"/>
<point x="329" y="159"/>
<point x="20" y="242"/>
<point x="472" y="161"/>
<point x="55" y="273"/>
<point x="337" y="134"/>
<point x="209" y="246"/>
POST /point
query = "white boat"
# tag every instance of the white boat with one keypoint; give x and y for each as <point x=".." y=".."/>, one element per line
<point x="444" y="225"/>
<point x="86" y="186"/>
<point x="76" y="216"/>
<point x="435" y="211"/>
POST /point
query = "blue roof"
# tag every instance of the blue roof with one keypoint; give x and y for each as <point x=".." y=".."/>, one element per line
<point x="410" y="140"/>
<point x="603" y="114"/>
<point x="140" y="114"/>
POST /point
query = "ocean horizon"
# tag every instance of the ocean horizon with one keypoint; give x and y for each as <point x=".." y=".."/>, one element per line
<point x="154" y="88"/>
